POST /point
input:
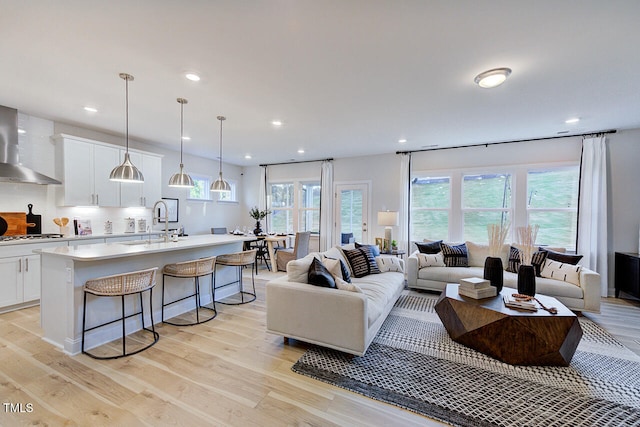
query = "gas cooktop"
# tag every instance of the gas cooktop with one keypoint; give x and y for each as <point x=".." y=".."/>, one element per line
<point x="30" y="237"/>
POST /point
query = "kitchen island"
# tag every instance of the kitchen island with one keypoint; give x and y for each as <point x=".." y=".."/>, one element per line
<point x="65" y="269"/>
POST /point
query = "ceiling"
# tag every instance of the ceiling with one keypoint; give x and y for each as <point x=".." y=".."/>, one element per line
<point x="346" y="77"/>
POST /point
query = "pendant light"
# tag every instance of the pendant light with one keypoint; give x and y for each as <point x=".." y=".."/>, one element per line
<point x="220" y="185"/>
<point x="181" y="179"/>
<point x="126" y="172"/>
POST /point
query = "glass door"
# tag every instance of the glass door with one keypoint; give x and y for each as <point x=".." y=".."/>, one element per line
<point x="352" y="211"/>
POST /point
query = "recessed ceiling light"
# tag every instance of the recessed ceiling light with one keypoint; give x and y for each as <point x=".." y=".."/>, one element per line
<point x="402" y="141"/>
<point x="247" y="156"/>
<point x="91" y="109"/>
<point x="186" y="138"/>
<point x="301" y="151"/>
<point x="276" y="123"/>
<point x="22" y="131"/>
<point x="492" y="78"/>
<point x="572" y="120"/>
<point x="193" y="77"/>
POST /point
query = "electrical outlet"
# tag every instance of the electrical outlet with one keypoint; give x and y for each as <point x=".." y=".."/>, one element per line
<point x="68" y="272"/>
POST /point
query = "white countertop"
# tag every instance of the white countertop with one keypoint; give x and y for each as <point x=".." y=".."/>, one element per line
<point x="76" y="238"/>
<point x="125" y="249"/>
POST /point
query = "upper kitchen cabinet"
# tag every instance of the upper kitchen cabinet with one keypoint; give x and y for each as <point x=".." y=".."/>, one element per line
<point x="86" y="166"/>
<point x="145" y="194"/>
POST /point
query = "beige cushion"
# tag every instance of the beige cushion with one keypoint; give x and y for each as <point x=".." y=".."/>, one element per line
<point x="346" y="286"/>
<point x="565" y="272"/>
<point x="389" y="263"/>
<point x="477" y="254"/>
<point x="333" y="265"/>
<point x="298" y="269"/>
<point x="428" y="260"/>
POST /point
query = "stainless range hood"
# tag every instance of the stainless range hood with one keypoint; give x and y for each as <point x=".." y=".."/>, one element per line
<point x="10" y="168"/>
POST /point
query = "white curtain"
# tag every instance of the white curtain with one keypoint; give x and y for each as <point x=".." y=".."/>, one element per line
<point x="326" y="205"/>
<point x="592" y="208"/>
<point x="405" y="182"/>
<point x="262" y="192"/>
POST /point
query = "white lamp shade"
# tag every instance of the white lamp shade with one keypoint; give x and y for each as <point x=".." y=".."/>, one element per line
<point x="388" y="218"/>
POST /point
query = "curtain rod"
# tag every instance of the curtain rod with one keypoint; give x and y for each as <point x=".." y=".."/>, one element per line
<point x="486" y="144"/>
<point x="300" y="161"/>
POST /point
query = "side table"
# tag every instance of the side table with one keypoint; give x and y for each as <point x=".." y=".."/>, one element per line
<point x="399" y="253"/>
<point x="627" y="273"/>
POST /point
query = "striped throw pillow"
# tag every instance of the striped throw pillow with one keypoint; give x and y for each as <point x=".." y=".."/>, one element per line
<point x="455" y="255"/>
<point x="362" y="261"/>
<point x="560" y="271"/>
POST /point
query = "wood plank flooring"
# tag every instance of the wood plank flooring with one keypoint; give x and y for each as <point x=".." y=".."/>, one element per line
<point x="227" y="372"/>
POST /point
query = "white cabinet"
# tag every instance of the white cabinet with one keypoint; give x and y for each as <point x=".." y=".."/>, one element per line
<point x="86" y="168"/>
<point x="20" y="280"/>
<point x="147" y="193"/>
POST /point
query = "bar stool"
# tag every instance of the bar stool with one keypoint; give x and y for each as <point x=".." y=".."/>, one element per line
<point x="135" y="282"/>
<point x="191" y="269"/>
<point x="239" y="260"/>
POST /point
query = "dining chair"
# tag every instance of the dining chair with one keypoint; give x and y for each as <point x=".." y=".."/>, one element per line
<point x="300" y="250"/>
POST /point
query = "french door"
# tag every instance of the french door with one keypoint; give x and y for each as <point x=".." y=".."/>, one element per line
<point x="352" y="211"/>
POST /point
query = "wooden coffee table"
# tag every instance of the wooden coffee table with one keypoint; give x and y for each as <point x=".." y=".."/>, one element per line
<point x="513" y="336"/>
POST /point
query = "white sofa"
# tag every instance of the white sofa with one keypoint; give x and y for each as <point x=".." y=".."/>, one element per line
<point x="585" y="297"/>
<point x="339" y="319"/>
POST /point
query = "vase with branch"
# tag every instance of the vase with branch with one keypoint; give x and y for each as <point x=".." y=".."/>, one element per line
<point x="526" y="273"/>
<point x="493" y="268"/>
<point x="258" y="215"/>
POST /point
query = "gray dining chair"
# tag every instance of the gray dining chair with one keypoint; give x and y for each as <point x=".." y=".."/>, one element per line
<point x="300" y="250"/>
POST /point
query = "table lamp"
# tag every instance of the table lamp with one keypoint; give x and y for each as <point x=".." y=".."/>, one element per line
<point x="388" y="219"/>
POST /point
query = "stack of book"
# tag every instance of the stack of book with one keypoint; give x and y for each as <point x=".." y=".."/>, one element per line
<point x="521" y="303"/>
<point x="476" y="288"/>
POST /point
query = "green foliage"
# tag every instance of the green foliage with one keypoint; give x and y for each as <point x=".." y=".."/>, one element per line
<point x="257" y="214"/>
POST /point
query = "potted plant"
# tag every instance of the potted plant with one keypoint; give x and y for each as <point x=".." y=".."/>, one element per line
<point x="394" y="245"/>
<point x="258" y="215"/>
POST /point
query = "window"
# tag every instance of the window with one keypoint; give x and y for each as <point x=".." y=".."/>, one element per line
<point x="430" y="207"/>
<point x="200" y="189"/>
<point x="281" y="207"/>
<point x="552" y="203"/>
<point x="486" y="199"/>
<point x="309" y="211"/>
<point x="295" y="206"/>
<point x="458" y="205"/>
<point x="230" y="196"/>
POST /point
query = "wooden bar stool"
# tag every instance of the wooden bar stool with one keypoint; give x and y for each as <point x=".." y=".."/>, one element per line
<point x="121" y="285"/>
<point x="191" y="269"/>
<point x="239" y="260"/>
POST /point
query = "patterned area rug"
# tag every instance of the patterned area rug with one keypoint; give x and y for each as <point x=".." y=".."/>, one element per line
<point x="413" y="363"/>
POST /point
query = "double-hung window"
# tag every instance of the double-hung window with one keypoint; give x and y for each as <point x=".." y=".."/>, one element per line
<point x="486" y="199"/>
<point x="295" y="206"/>
<point x="431" y="207"/>
<point x="552" y="203"/>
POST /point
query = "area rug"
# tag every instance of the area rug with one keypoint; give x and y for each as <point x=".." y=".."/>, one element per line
<point x="413" y="363"/>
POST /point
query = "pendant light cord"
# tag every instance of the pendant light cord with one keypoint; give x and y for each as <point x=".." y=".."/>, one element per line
<point x="221" y="118"/>
<point x="181" y="129"/>
<point x="126" y="86"/>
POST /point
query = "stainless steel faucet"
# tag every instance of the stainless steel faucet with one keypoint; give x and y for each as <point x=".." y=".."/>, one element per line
<point x="157" y="218"/>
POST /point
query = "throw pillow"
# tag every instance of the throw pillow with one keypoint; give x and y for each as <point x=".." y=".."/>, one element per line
<point x="362" y="261"/>
<point x="537" y="260"/>
<point x="429" y="248"/>
<point x="561" y="271"/>
<point x="319" y="275"/>
<point x="374" y="248"/>
<point x="337" y="268"/>
<point x="431" y="260"/>
<point x="346" y="286"/>
<point x="455" y="256"/>
<point x="298" y="269"/>
<point x="561" y="257"/>
<point x="389" y="263"/>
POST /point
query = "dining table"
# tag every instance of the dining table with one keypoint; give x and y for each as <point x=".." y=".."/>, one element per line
<point x="273" y="241"/>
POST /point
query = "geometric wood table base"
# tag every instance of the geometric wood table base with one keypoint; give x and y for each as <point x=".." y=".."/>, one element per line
<point x="517" y="337"/>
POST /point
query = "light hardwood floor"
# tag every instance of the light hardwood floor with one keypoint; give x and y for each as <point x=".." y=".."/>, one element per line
<point x="225" y="372"/>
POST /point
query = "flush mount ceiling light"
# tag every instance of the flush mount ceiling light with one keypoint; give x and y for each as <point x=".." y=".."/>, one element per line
<point x="572" y="120"/>
<point x="220" y="185"/>
<point x="276" y="123"/>
<point x="492" y="78"/>
<point x="126" y="172"/>
<point x="90" y="109"/>
<point x="193" y="77"/>
<point x="181" y="179"/>
<point x="402" y="141"/>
